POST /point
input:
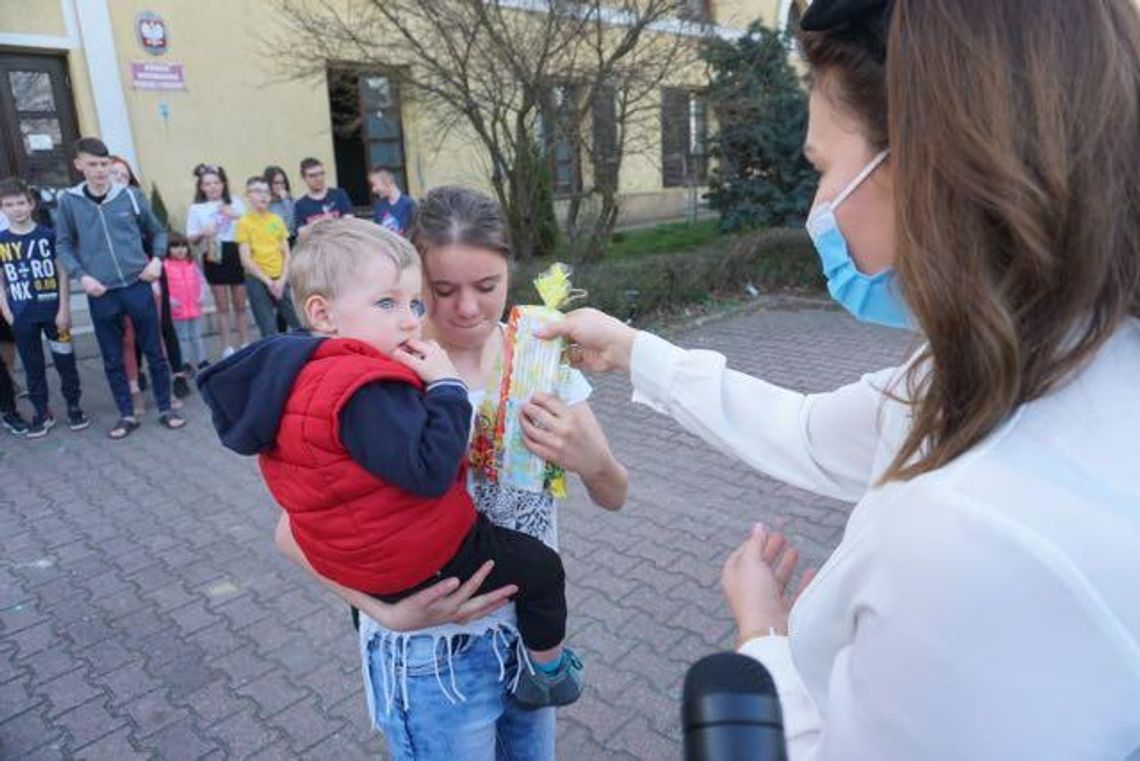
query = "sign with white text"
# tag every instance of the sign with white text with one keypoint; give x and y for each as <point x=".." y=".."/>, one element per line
<point x="157" y="76"/>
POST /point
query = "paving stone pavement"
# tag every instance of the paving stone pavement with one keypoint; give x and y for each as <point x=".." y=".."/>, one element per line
<point x="144" y="612"/>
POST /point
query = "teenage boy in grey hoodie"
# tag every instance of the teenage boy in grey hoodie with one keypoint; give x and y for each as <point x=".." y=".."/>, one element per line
<point x="99" y="238"/>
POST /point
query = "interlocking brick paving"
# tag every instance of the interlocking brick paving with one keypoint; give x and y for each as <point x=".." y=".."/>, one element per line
<point x="144" y="612"/>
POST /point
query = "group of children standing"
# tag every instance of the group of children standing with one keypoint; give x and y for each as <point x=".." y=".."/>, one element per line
<point x="240" y="251"/>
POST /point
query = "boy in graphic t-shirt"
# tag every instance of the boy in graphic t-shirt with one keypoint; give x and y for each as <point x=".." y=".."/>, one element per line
<point x="321" y="201"/>
<point x="394" y="209"/>
<point x="34" y="301"/>
<point x="263" y="241"/>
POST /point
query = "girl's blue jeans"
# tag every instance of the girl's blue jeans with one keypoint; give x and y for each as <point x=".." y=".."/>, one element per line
<point x="487" y="725"/>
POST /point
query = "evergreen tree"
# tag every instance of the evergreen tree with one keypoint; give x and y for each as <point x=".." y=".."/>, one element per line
<point x="761" y="177"/>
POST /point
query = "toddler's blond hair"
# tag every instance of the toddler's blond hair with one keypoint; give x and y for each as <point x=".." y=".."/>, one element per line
<point x="329" y="254"/>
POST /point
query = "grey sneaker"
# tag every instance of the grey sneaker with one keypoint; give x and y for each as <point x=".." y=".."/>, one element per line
<point x="15" y="423"/>
<point x="537" y="689"/>
<point x="76" y="420"/>
<point x="40" y="427"/>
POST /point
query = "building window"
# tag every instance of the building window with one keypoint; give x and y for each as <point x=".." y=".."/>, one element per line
<point x="368" y="131"/>
<point x="684" y="138"/>
<point x="560" y="139"/>
<point x="382" y="130"/>
<point x="605" y="137"/>
<point x="699" y="11"/>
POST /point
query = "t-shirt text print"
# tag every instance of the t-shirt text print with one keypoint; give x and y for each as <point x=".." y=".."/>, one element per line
<point x="28" y="264"/>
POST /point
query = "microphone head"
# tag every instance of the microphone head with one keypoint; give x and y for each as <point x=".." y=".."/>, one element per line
<point x="730" y="711"/>
<point x="727" y="672"/>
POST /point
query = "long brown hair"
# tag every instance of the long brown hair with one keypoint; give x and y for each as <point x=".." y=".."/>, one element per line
<point x="1014" y="127"/>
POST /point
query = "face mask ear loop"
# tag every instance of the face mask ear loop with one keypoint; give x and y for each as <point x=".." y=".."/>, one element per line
<point x="880" y="157"/>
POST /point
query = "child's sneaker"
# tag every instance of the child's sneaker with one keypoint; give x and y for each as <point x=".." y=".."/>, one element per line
<point x="40" y="426"/>
<point x="15" y="423"/>
<point x="539" y="689"/>
<point x="76" y="420"/>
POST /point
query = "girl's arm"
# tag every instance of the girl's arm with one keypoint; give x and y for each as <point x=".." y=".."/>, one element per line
<point x="443" y="602"/>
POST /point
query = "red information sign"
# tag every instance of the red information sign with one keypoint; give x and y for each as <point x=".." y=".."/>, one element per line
<point x="157" y="76"/>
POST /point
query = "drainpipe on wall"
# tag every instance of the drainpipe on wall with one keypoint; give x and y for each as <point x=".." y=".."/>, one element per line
<point x="102" y="59"/>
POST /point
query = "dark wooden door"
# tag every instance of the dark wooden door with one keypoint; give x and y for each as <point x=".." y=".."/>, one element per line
<point x="37" y="116"/>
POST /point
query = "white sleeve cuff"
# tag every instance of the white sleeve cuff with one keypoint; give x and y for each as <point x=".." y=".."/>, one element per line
<point x="801" y="717"/>
<point x="774" y="652"/>
<point x="651" y="370"/>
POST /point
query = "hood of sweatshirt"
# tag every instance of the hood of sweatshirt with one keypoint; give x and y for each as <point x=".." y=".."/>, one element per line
<point x="246" y="393"/>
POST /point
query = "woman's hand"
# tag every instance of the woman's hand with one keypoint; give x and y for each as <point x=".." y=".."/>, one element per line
<point x="571" y="437"/>
<point x="755" y="583"/>
<point x="598" y="343"/>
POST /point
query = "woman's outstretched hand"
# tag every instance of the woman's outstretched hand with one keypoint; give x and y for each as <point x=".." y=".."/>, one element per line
<point x="755" y="583"/>
<point x="598" y="343"/>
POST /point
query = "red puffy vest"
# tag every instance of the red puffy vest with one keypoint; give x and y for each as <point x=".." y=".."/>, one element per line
<point x="353" y="527"/>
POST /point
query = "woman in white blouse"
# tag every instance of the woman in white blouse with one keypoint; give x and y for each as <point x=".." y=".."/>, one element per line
<point x="980" y="182"/>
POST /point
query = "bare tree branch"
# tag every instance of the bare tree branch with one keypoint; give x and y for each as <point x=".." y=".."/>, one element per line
<point x="489" y="67"/>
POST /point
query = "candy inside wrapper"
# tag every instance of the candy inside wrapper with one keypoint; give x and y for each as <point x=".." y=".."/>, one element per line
<point x="530" y="365"/>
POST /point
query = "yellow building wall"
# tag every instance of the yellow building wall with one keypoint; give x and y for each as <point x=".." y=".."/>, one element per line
<point x="32" y="17"/>
<point x="738" y="14"/>
<point x="240" y="109"/>
<point x="236" y="110"/>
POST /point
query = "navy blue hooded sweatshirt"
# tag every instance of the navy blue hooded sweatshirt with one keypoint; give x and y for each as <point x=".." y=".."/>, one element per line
<point x="414" y="440"/>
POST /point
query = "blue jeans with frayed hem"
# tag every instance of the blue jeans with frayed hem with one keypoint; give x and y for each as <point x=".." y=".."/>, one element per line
<point x="435" y="724"/>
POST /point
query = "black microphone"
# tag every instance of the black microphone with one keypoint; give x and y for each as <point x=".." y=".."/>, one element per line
<point x="730" y="711"/>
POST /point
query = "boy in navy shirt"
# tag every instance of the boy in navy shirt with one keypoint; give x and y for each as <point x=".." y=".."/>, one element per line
<point x="34" y="300"/>
<point x="393" y="210"/>
<point x="321" y="202"/>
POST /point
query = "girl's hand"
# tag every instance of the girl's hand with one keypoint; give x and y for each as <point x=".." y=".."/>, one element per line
<point x="210" y="230"/>
<point x="62" y="320"/>
<point x="599" y="343"/>
<point x="755" y="583"/>
<point x="444" y="602"/>
<point x="571" y="437"/>
<point x="554" y="432"/>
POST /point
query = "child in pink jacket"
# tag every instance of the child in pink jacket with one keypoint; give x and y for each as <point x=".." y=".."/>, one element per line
<point x="187" y="289"/>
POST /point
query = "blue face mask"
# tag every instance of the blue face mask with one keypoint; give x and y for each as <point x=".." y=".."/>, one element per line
<point x="870" y="298"/>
